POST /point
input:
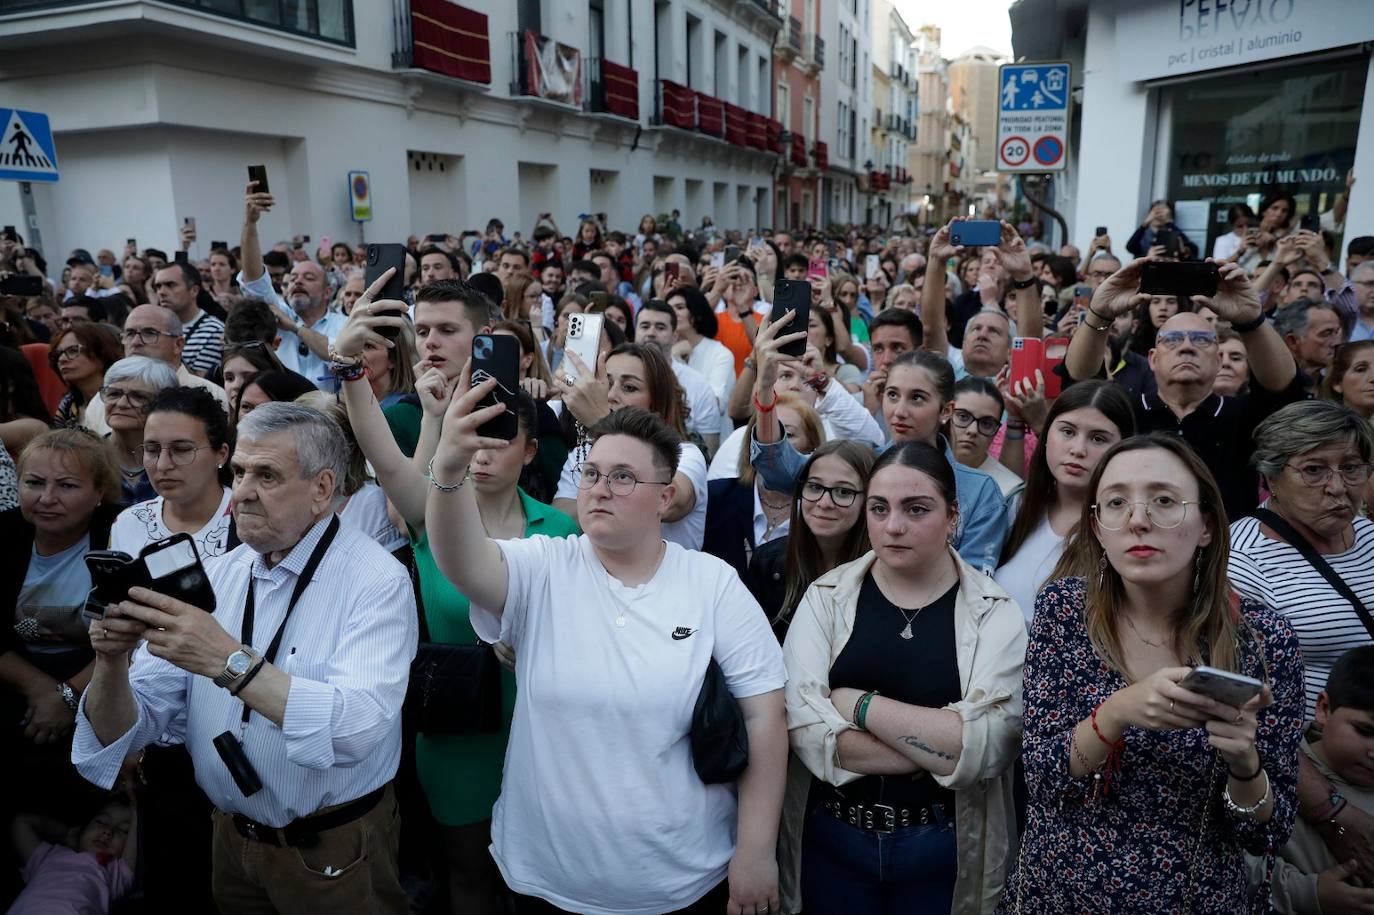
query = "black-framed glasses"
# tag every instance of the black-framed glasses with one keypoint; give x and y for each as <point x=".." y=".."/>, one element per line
<point x="139" y="400"/>
<point x="1163" y="511"/>
<point x="70" y="352"/>
<point x="147" y="335"/>
<point x="621" y="482"/>
<point x="1352" y="474"/>
<point x="182" y="452"/>
<point x="1173" y="339"/>
<point x="987" y="425"/>
<point x="843" y="496"/>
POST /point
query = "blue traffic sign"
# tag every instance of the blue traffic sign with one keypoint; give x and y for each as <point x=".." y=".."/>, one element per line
<point x="27" y="152"/>
<point x="1034" y="87"/>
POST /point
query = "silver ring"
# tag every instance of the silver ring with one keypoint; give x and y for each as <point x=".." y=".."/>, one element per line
<point x="567" y="381"/>
<point x="1171" y="707"/>
<point x="1239" y="718"/>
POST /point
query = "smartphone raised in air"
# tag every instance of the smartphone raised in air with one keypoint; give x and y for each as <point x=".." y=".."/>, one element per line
<point x="584" y="338"/>
<point x="258" y="173"/>
<point x="498" y="356"/>
<point x="793" y="296"/>
<point x="975" y="232"/>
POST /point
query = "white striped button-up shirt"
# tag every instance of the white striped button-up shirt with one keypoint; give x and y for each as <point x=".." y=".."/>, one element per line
<point x="347" y="648"/>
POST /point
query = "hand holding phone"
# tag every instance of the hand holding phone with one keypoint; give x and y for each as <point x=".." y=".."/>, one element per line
<point x="380" y="258"/>
<point x="1222" y="686"/>
<point x="497" y="356"/>
<point x="171" y="567"/>
<point x="793" y="296"/>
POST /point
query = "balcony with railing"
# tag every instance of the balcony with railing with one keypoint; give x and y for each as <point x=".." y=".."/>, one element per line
<point x="797" y="154"/>
<point x="790" y="47"/>
<point x="879" y="181"/>
<point x="441" y="37"/>
<point x="677" y="105"/>
<point x="324" y="20"/>
<point x="815" y="53"/>
<point x="612" y="89"/>
<point x="820" y="154"/>
<point x="545" y="69"/>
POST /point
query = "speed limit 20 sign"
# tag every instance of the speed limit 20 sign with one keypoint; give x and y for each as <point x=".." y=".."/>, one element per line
<point x="1033" y="116"/>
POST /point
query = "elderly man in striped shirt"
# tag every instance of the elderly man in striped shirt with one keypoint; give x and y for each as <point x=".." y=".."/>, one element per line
<point x="288" y="697"/>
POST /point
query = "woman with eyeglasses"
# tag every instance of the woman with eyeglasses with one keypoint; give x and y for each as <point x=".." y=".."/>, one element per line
<point x="1086" y="419"/>
<point x="637" y="376"/>
<point x="850" y="330"/>
<point x="825" y="529"/>
<point x="130" y="386"/>
<point x="977" y="417"/>
<point x="1314" y="457"/>
<point x="245" y="361"/>
<point x="186" y="446"/>
<point x="1145" y="795"/>
<point x="904" y="712"/>
<point x="80" y="356"/>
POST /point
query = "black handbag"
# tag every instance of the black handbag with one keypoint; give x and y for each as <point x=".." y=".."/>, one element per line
<point x="455" y="689"/>
<point x="720" y="743"/>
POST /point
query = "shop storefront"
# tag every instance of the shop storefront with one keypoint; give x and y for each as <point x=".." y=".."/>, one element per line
<point x="1209" y="103"/>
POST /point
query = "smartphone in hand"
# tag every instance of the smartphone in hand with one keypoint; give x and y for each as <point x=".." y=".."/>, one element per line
<point x="258" y="173"/>
<point x="793" y="296"/>
<point x="379" y="259"/>
<point x="498" y="356"/>
<point x="976" y="232"/>
<point x="584" y="338"/>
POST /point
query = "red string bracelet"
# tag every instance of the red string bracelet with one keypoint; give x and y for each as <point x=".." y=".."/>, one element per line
<point x="1112" y="765"/>
<point x="761" y="408"/>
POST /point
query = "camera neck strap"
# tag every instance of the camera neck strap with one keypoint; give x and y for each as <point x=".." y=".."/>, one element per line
<point x="302" y="582"/>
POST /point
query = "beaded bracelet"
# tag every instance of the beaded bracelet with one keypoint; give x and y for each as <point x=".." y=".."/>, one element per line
<point x="861" y="710"/>
<point x="443" y="487"/>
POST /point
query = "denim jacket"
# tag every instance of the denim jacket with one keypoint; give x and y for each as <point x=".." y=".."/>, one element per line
<point x="983" y="521"/>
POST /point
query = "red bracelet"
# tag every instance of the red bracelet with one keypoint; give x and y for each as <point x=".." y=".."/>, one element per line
<point x="761" y="408"/>
<point x="1112" y="764"/>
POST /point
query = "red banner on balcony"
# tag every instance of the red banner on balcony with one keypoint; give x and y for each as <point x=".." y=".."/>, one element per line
<point x="822" y="154"/>
<point x="450" y="39"/>
<point x="758" y="131"/>
<point x="774" y="135"/>
<point x="736" y="125"/>
<point x="798" y="150"/>
<point x="621" y="88"/>
<point x="679" y="105"/>
<point x="552" y="70"/>
<point x="710" y="115"/>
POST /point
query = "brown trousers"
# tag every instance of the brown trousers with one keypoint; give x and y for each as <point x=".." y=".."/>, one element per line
<point x="254" y="878"/>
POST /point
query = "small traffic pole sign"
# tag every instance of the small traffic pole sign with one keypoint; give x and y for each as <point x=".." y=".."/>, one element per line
<point x="27" y="152"/>
<point x="1033" y="116"/>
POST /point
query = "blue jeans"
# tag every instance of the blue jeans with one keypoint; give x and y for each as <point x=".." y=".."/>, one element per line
<point x="845" y="870"/>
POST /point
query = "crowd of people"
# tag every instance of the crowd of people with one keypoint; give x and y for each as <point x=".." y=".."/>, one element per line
<point x="916" y="605"/>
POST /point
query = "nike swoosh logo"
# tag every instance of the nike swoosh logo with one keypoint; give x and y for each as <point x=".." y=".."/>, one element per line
<point x="681" y="633"/>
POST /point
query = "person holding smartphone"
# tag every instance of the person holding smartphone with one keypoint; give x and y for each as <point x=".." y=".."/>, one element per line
<point x="1142" y="792"/>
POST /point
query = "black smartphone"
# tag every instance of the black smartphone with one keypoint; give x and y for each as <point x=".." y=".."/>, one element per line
<point x="21" y="284"/>
<point x="436" y="238"/>
<point x="498" y="356"/>
<point x="11" y="234"/>
<point x="133" y="243"/>
<point x="599" y="301"/>
<point x="731" y="253"/>
<point x="305" y="238"/>
<point x="381" y="258"/>
<point x="181" y="257"/>
<point x="258" y="173"/>
<point x="975" y="232"/>
<point x="1179" y="278"/>
<point x="1311" y="222"/>
<point x="1101" y="230"/>
<point x="219" y="244"/>
<point x="1168" y="237"/>
<point x="171" y="567"/>
<point x="794" y="296"/>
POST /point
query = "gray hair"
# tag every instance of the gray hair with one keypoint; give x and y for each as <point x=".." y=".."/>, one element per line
<point x="1362" y="267"/>
<point x="151" y="372"/>
<point x="174" y="325"/>
<point x="320" y="443"/>
<point x="1307" y="424"/>
<point x="1011" y="325"/>
<point x="1292" y="318"/>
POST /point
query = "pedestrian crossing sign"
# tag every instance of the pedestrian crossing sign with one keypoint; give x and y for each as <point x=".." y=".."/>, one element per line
<point x="27" y="152"/>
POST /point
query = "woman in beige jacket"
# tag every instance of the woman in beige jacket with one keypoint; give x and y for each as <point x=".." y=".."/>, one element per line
<point x="904" y="712"/>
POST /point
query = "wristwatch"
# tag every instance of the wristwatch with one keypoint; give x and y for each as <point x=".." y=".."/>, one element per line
<point x="239" y="663"/>
<point x="69" y="695"/>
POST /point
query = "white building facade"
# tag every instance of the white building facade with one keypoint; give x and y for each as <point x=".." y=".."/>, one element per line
<point x="846" y="108"/>
<point x="1210" y="105"/>
<point x="157" y="107"/>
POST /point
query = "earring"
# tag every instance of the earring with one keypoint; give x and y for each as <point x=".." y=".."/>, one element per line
<point x="1197" y="571"/>
<point x="1102" y="570"/>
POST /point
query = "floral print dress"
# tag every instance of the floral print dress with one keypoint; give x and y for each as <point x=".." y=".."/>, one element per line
<point x="1161" y="839"/>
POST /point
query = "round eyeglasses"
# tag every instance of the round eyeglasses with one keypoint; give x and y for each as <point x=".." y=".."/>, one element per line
<point x="183" y="453"/>
<point x="1163" y="511"/>
<point x="1315" y="474"/>
<point x="621" y="482"/>
<point x="842" y="496"/>
<point x="987" y="425"/>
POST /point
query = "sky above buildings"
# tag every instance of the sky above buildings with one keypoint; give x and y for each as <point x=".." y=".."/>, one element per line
<point x="963" y="24"/>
